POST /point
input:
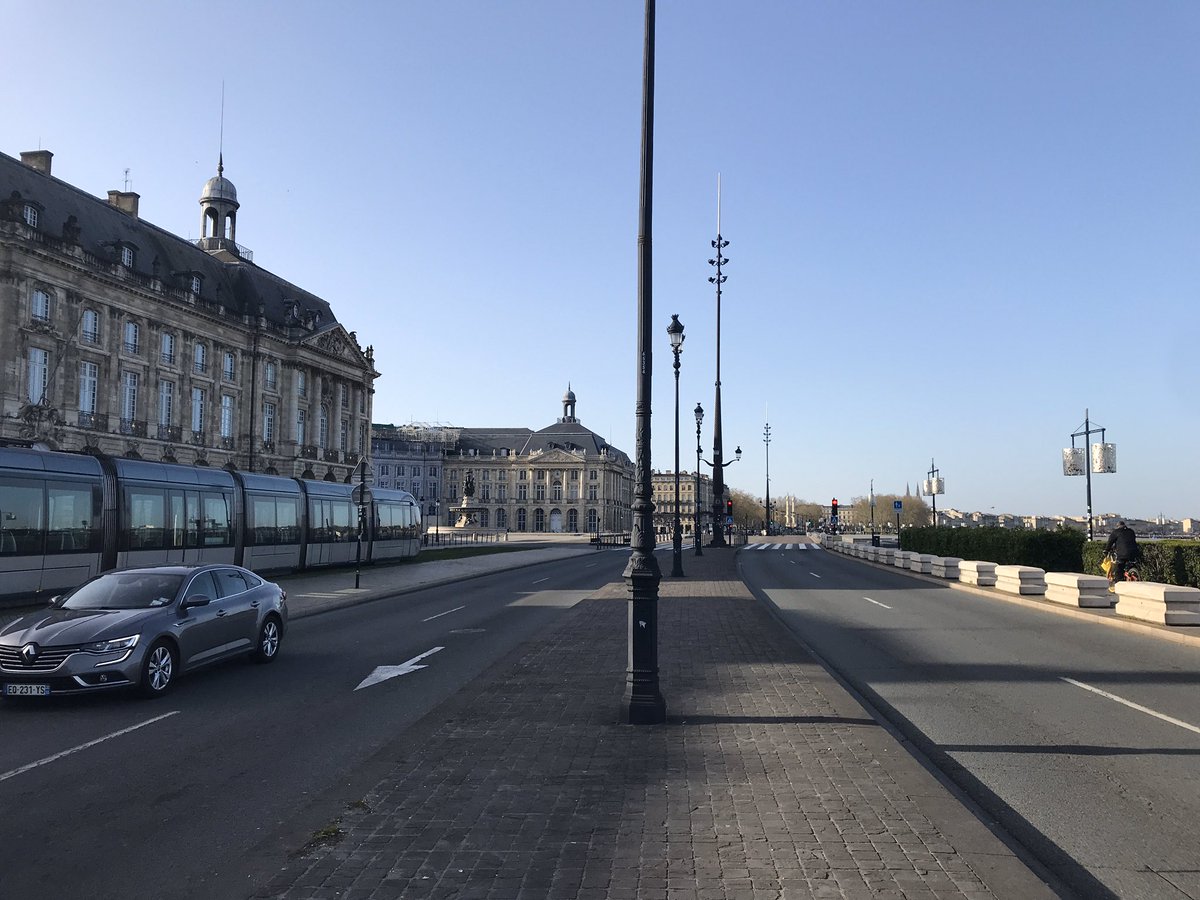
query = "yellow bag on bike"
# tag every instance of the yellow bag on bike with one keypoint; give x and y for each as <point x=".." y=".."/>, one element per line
<point x="1106" y="565"/>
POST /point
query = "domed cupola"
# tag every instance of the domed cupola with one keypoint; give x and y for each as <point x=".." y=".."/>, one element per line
<point x="218" y="211"/>
<point x="568" y="405"/>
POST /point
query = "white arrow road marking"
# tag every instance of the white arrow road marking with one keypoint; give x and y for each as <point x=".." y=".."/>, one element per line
<point x="876" y="602"/>
<point x="383" y="673"/>
<point x="100" y="740"/>
<point x="1131" y="704"/>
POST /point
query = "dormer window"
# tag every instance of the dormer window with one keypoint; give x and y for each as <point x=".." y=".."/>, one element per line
<point x="30" y="215"/>
<point x="127" y="257"/>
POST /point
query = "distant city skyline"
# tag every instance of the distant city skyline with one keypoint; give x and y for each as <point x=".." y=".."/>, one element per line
<point x="953" y="228"/>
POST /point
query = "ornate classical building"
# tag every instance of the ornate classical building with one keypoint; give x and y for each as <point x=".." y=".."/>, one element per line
<point x="122" y="338"/>
<point x="562" y="478"/>
<point x="663" y="484"/>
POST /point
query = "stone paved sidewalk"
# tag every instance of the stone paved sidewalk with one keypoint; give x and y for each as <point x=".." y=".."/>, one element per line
<point x="767" y="781"/>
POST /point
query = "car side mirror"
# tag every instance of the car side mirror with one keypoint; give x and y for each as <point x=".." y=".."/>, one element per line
<point x="193" y="601"/>
<point x="54" y="600"/>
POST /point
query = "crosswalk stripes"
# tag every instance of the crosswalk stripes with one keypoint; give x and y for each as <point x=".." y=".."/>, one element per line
<point x="782" y="547"/>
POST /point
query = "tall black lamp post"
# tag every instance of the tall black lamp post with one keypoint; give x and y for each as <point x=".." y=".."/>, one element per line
<point x="675" y="332"/>
<point x="718" y="466"/>
<point x="642" y="703"/>
<point x="767" y="443"/>
<point x="699" y="413"/>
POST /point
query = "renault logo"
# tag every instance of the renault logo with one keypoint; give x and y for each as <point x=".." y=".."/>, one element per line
<point x="29" y="654"/>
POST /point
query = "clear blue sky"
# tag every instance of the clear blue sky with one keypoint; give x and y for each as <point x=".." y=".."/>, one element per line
<point x="954" y="226"/>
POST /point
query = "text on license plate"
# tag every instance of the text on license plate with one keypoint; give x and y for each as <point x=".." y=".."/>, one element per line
<point x="26" y="690"/>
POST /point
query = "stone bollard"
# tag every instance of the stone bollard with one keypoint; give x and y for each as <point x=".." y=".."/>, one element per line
<point x="920" y="562"/>
<point x="885" y="555"/>
<point x="946" y="567"/>
<point x="1077" y="589"/>
<point x="976" y="571"/>
<point x="900" y="559"/>
<point x="1163" y="604"/>
<point x="1020" y="580"/>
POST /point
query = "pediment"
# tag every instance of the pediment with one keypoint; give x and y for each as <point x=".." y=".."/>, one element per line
<point x="340" y="344"/>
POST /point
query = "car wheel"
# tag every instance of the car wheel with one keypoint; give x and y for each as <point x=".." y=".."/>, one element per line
<point x="159" y="669"/>
<point x="269" y="637"/>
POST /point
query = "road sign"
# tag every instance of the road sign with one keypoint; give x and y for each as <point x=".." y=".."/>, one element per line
<point x="897" y="505"/>
<point x="361" y="495"/>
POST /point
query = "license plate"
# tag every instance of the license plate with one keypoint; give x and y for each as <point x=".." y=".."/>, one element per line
<point x="26" y="690"/>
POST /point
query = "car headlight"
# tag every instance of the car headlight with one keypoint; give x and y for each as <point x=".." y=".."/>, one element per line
<point x="125" y="643"/>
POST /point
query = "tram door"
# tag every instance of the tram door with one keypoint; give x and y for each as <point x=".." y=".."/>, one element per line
<point x="183" y="526"/>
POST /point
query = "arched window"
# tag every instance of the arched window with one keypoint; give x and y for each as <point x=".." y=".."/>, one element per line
<point x="501" y="518"/>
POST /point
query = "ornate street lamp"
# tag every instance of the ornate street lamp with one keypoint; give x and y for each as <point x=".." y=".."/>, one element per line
<point x="675" y="332"/>
<point x="642" y="702"/>
<point x="699" y="413"/>
<point x="718" y="510"/>
<point x="767" y="442"/>
<point x="718" y="466"/>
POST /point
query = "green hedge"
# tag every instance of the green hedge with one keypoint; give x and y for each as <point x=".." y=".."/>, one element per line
<point x="1064" y="550"/>
<point x="1054" y="551"/>
<point x="1163" y="562"/>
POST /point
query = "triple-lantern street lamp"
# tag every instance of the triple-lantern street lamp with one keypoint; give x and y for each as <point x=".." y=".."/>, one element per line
<point x="675" y="333"/>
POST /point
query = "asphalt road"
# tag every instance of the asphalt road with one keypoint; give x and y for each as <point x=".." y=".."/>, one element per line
<point x="193" y="795"/>
<point x="1082" y="741"/>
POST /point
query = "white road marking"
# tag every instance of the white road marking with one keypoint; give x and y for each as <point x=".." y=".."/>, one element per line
<point x="383" y="673"/>
<point x="540" y="580"/>
<point x="446" y="613"/>
<point x="814" y="574"/>
<point x="50" y="759"/>
<point x="876" y="602"/>
<point x="1131" y="704"/>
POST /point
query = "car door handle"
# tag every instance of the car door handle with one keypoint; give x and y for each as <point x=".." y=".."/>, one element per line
<point x="220" y="613"/>
<point x="255" y="604"/>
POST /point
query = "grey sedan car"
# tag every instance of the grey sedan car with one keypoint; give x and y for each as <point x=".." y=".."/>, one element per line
<point x="142" y="628"/>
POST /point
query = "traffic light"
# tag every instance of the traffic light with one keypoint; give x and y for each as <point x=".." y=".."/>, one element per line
<point x="729" y="508"/>
<point x="833" y="507"/>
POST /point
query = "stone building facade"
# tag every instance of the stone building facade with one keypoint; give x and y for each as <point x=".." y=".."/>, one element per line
<point x="663" y="484"/>
<point x="562" y="478"/>
<point x="124" y="339"/>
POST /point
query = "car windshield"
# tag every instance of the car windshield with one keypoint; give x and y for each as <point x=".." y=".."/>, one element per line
<point x="126" y="590"/>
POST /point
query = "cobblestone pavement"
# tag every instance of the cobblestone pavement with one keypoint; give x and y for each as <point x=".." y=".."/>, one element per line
<point x="767" y="781"/>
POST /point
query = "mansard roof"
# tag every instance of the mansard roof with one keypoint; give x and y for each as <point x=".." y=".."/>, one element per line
<point x="238" y="284"/>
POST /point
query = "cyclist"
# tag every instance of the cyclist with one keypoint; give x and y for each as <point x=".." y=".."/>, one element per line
<point x="1123" y="547"/>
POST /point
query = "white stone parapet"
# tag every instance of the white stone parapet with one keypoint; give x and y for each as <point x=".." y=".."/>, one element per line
<point x="946" y="567"/>
<point x="977" y="571"/>
<point x="885" y="555"/>
<point x="1020" y="580"/>
<point x="1077" y="589"/>
<point x="1163" y="604"/>
<point x="900" y="559"/>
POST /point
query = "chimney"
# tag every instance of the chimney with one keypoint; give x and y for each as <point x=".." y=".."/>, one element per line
<point x="126" y="201"/>
<point x="37" y="159"/>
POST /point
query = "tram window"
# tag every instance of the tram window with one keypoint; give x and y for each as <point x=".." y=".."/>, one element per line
<point x="21" y="529"/>
<point x="384" y="529"/>
<point x="72" y="519"/>
<point x="216" y="520"/>
<point x="262" y="529"/>
<point x="145" y="512"/>
<point x="287" y="517"/>
<point x="193" y="518"/>
<point x="345" y="520"/>
<point x="176" y="521"/>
